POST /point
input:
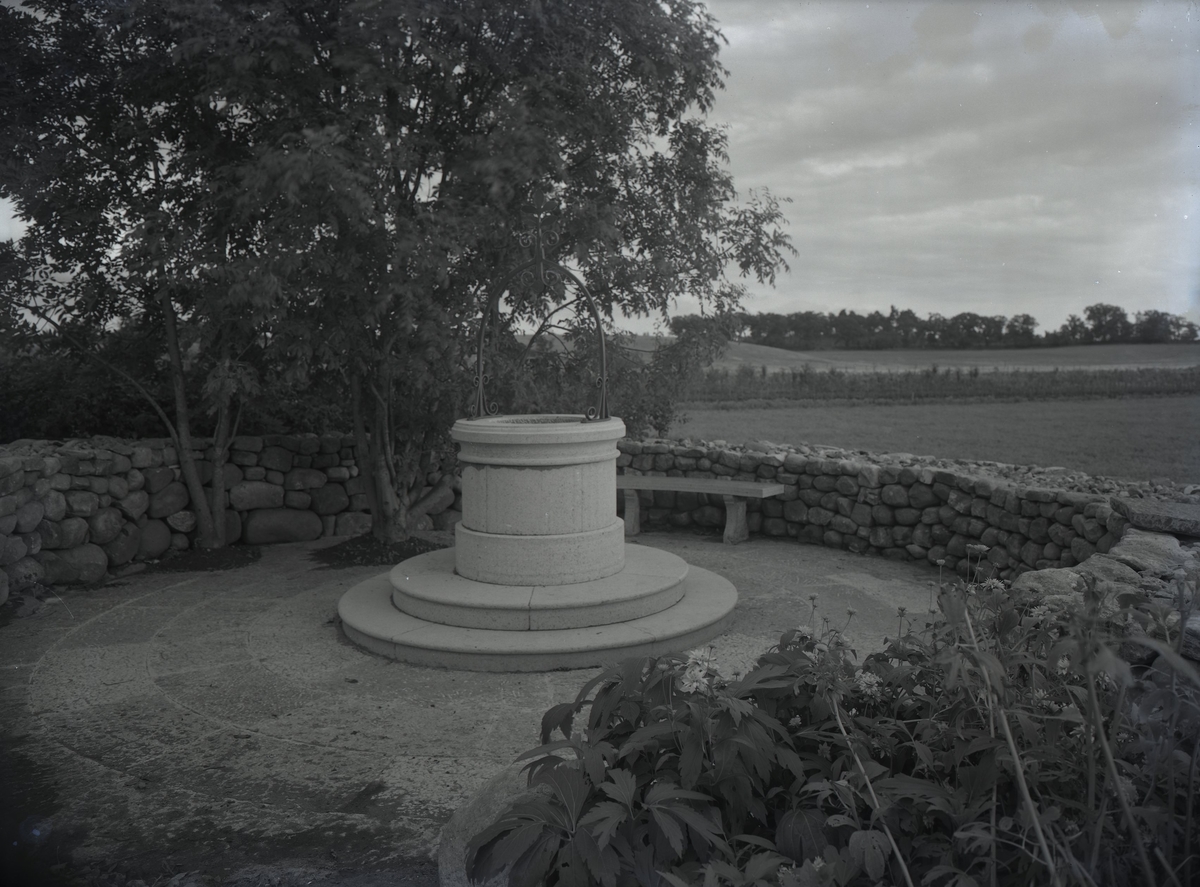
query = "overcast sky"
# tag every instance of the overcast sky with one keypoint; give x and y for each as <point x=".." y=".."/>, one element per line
<point x="995" y="157"/>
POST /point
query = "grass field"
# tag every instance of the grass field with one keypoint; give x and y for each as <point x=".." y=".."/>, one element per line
<point x="1072" y="356"/>
<point x="1135" y="438"/>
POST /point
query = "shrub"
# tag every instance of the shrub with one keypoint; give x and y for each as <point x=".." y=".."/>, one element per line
<point x="1005" y="743"/>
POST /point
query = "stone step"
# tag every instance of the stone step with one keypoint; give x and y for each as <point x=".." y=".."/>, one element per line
<point x="370" y="620"/>
<point x="427" y="587"/>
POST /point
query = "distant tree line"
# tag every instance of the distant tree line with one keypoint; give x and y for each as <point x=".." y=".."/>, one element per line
<point x="812" y="330"/>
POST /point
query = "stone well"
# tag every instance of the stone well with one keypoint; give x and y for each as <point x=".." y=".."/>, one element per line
<point x="538" y="494"/>
<point x="540" y="576"/>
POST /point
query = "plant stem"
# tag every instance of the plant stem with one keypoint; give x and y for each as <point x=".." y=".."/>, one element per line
<point x="1018" y="764"/>
<point x="1147" y="870"/>
<point x="837" y="713"/>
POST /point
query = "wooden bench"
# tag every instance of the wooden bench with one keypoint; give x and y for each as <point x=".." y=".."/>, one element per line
<point x="736" y="492"/>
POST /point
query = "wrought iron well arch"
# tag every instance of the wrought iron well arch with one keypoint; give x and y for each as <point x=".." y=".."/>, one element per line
<point x="542" y="270"/>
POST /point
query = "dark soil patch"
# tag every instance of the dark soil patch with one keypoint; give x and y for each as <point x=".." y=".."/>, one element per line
<point x="199" y="560"/>
<point x="367" y="551"/>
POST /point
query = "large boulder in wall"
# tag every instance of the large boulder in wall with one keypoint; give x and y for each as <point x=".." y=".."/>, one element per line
<point x="12" y="549"/>
<point x="155" y="540"/>
<point x="105" y="525"/>
<point x="265" y="526"/>
<point x="55" y="505"/>
<point x="252" y="495"/>
<point x="24" y="573"/>
<point x="122" y="549"/>
<point x="233" y="527"/>
<point x="90" y="561"/>
<point x="57" y="570"/>
<point x="29" y="516"/>
<point x="74" y="532"/>
<point x="330" y="499"/>
<point x="170" y="499"/>
<point x="158" y="479"/>
<point x="134" y="504"/>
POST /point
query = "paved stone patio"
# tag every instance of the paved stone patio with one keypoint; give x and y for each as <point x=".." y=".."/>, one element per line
<point x="221" y="722"/>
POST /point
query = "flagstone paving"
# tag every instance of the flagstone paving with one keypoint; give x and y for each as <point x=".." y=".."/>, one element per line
<point x="221" y="723"/>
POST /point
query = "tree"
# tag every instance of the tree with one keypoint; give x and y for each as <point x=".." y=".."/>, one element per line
<point x="101" y="125"/>
<point x="1108" y="323"/>
<point x="1159" y="326"/>
<point x="1021" y="330"/>
<point x="343" y="179"/>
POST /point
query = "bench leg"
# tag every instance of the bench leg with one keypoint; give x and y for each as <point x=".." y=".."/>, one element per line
<point x="736" y="529"/>
<point x="633" y="517"/>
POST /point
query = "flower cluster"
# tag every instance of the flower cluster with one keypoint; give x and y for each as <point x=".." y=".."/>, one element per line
<point x="699" y="673"/>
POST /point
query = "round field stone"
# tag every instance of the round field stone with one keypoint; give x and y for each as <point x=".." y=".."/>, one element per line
<point x="12" y="549"/>
<point x="122" y="549"/>
<point x="304" y="479"/>
<point x="118" y="487"/>
<point x="75" y="531"/>
<point x="25" y="573"/>
<point x="105" y="525"/>
<point x="233" y="527"/>
<point x="265" y="526"/>
<point x="182" y="521"/>
<point x="251" y="495"/>
<point x="155" y="539"/>
<point x="90" y="562"/>
<point x="29" y="516"/>
<point x="134" y="504"/>
<point x="135" y="479"/>
<point x="82" y="503"/>
<point x="56" y="570"/>
<point x="168" y="500"/>
<point x="330" y="499"/>
<point x="158" y="479"/>
<point x="54" y="504"/>
<point x="276" y="459"/>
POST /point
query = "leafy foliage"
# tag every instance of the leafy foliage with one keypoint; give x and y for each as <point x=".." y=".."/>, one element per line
<point x="325" y="191"/>
<point x="1007" y="742"/>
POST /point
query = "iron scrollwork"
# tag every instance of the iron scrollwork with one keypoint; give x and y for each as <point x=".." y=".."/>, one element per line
<point x="542" y="271"/>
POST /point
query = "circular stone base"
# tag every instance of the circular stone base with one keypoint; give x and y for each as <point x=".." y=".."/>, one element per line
<point x="427" y="587"/>
<point x="370" y="620"/>
<point x="561" y="559"/>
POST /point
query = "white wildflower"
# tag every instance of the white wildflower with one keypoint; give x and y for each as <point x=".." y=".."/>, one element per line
<point x="869" y="685"/>
<point x="693" y="680"/>
<point x="704" y="660"/>
<point x="796" y="721"/>
<point x="1063" y="665"/>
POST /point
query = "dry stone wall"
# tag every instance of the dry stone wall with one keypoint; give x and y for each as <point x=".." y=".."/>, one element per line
<point x="903" y="508"/>
<point x="79" y="511"/>
<point x="76" y="512"/>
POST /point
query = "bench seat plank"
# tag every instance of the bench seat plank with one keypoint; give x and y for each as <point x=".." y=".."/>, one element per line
<point x="746" y="488"/>
<point x="734" y="492"/>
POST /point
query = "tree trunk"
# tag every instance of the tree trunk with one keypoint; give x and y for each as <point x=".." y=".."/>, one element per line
<point x="372" y="461"/>
<point x="220" y="453"/>
<point x="206" y="536"/>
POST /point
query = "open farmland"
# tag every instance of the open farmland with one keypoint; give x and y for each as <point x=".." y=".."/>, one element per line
<point x="1135" y="438"/>
<point x="1091" y="357"/>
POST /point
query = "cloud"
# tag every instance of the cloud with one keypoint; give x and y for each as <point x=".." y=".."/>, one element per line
<point x="992" y="157"/>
